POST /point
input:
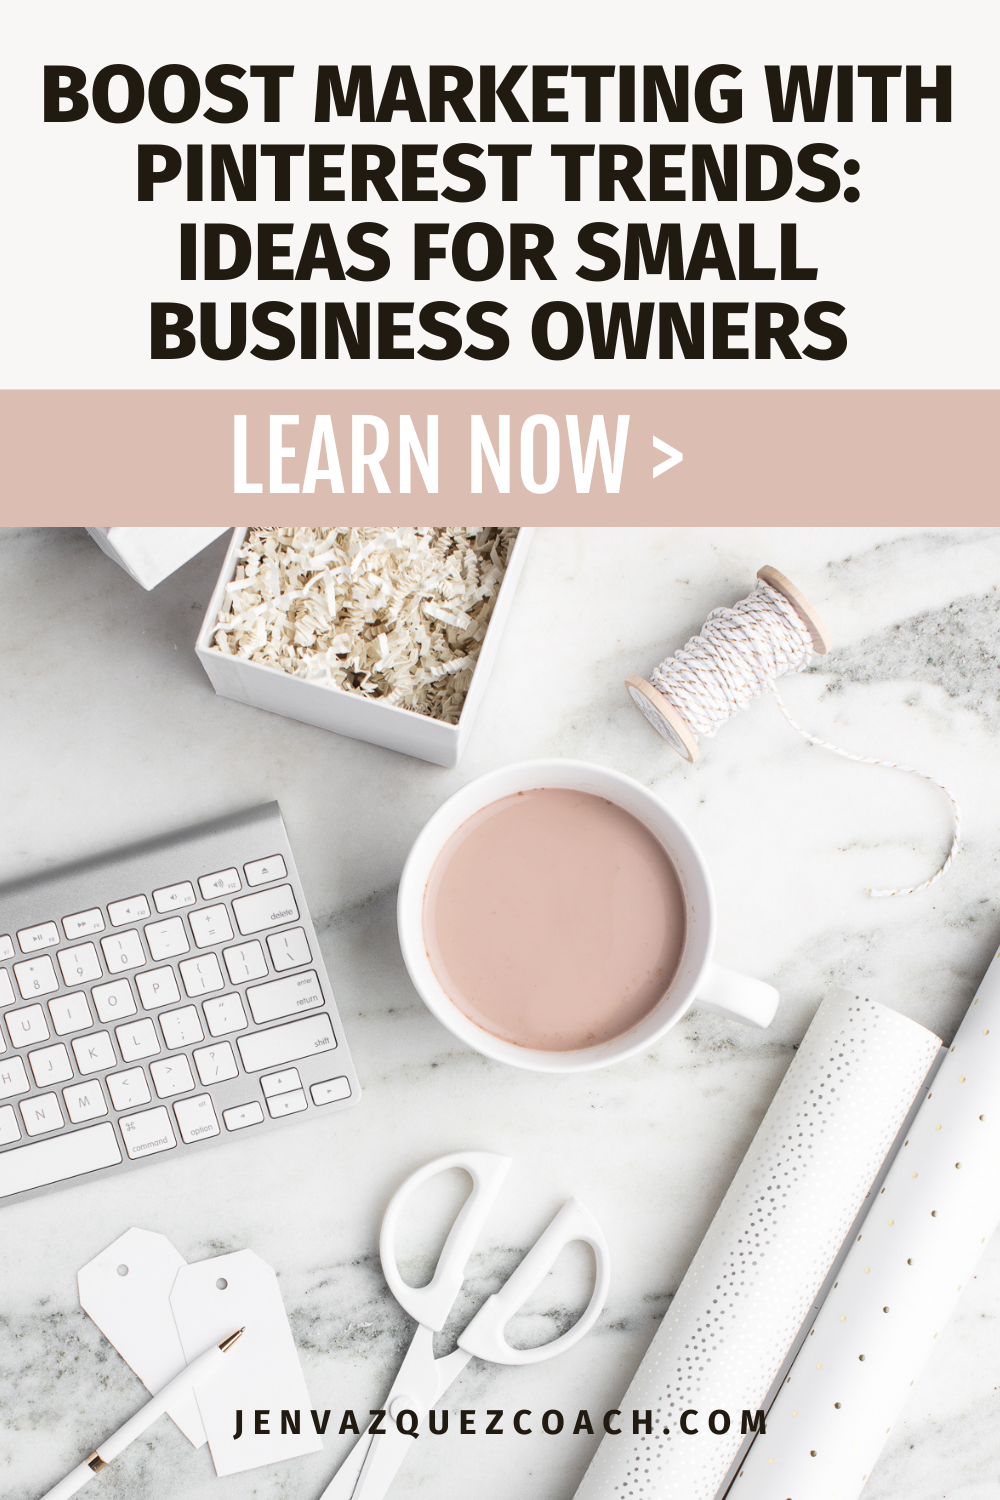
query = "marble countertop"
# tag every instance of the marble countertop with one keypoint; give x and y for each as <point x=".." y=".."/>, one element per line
<point x="110" y="731"/>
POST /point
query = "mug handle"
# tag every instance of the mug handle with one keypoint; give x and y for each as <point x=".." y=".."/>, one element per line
<point x="737" y="996"/>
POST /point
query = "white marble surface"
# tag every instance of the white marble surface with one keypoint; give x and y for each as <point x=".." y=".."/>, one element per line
<point x="110" y="731"/>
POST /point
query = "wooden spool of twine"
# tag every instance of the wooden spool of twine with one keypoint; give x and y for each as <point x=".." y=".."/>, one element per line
<point x="740" y="653"/>
<point x="669" y="720"/>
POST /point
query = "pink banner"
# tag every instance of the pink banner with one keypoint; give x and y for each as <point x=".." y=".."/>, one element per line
<point x="512" y="457"/>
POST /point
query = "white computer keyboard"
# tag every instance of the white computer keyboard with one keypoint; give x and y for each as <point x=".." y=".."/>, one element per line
<point x="164" y="997"/>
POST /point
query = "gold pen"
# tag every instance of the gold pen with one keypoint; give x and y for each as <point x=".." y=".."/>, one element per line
<point x="193" y="1374"/>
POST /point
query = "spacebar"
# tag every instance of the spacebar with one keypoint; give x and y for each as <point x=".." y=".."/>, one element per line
<point x="58" y="1158"/>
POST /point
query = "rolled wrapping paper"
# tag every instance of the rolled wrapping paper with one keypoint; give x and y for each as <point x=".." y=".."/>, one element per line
<point x="767" y="1252"/>
<point x="916" y="1250"/>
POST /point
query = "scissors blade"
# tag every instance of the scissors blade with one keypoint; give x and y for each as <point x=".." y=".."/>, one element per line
<point x="382" y="1463"/>
<point x="373" y="1462"/>
<point x="344" y="1483"/>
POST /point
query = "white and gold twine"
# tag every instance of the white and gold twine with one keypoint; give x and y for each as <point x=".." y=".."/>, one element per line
<point x="739" y="654"/>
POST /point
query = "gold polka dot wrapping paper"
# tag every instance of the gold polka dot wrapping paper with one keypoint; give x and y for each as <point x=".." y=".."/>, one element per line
<point x="756" y="1275"/>
<point x="912" y="1256"/>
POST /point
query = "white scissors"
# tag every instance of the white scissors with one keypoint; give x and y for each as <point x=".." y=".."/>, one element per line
<point x="373" y="1462"/>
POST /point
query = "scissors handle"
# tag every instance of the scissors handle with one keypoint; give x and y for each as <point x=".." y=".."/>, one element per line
<point x="484" y="1335"/>
<point x="432" y="1303"/>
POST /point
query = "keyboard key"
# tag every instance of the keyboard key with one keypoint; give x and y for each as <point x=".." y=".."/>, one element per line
<point x="283" y="997"/>
<point x="114" y="1001"/>
<point x="284" y="1044"/>
<point x="70" y="1013"/>
<point x="123" y="951"/>
<point x="13" y="1078"/>
<point x="286" y="1104"/>
<point x="36" y="976"/>
<point x="85" y="1101"/>
<point x="211" y="926"/>
<point x="181" y="1028"/>
<point x="266" y="909"/>
<point x="171" y="1076"/>
<point x="330" y="1091"/>
<point x="32" y="938"/>
<point x="260" y="871"/>
<point x="41" y="1114"/>
<point x="37" y="1164"/>
<point x="167" y="939"/>
<point x="225" y="1015"/>
<point x="94" y="1053"/>
<point x="157" y="987"/>
<point x="241" y="1115"/>
<point x="281" y="1083"/>
<point x="222" y="883"/>
<point x="289" y="949"/>
<point x="50" y="1065"/>
<point x="27" y="1026"/>
<point x="173" y="896"/>
<point x="132" y="909"/>
<point x="6" y="946"/>
<point x="196" y="1118"/>
<point x="215" y="1063"/>
<point x="137" y="1039"/>
<point x="10" y="1130"/>
<point x="7" y="996"/>
<point x="246" y="961"/>
<point x="84" y="923"/>
<point x="148" y="1133"/>
<point x="202" y="975"/>
<point x="129" y="1089"/>
<point x="80" y="964"/>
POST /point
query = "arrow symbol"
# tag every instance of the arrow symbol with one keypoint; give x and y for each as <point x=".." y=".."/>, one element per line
<point x="674" y="456"/>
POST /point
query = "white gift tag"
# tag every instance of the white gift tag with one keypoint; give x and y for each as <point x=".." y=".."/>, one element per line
<point x="261" y="1374"/>
<point x="126" y="1291"/>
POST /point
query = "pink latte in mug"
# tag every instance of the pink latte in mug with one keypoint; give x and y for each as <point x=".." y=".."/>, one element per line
<point x="554" y="919"/>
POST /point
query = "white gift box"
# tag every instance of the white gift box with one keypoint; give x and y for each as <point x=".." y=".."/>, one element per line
<point x="351" y="713"/>
<point x="151" y="553"/>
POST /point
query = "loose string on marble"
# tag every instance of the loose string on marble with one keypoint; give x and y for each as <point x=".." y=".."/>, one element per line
<point x="740" y="653"/>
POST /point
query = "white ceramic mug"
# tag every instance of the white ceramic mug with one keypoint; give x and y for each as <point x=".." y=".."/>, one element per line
<point x="697" y="977"/>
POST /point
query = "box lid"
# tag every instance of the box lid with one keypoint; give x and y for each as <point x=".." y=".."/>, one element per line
<point x="151" y="553"/>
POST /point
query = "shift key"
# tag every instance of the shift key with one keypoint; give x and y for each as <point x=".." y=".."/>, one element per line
<point x="284" y="997"/>
<point x="283" y="1044"/>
